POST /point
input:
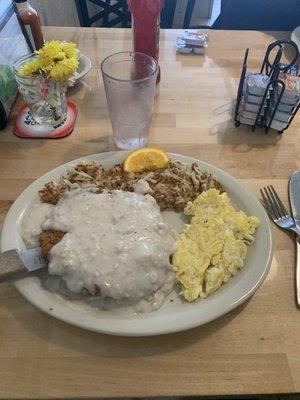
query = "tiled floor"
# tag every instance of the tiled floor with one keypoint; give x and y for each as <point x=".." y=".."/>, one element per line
<point x="209" y="21"/>
<point x="199" y="14"/>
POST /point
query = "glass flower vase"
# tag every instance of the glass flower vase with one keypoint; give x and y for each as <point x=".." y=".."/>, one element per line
<point x="45" y="97"/>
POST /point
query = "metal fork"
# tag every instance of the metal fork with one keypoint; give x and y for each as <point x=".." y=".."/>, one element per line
<point x="276" y="210"/>
<point x="278" y="213"/>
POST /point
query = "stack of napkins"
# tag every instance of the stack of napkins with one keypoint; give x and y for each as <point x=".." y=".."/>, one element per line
<point x="253" y="91"/>
<point x="191" y="42"/>
<point x="288" y="102"/>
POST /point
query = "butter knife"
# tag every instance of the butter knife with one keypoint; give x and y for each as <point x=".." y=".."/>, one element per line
<point x="15" y="263"/>
<point x="294" y="195"/>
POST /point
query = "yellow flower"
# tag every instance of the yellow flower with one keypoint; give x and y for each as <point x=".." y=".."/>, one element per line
<point x="63" y="69"/>
<point x="56" y="59"/>
<point x="30" y="68"/>
<point x="69" y="49"/>
<point x="51" y="51"/>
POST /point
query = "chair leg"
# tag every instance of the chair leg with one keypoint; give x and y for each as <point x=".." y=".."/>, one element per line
<point x="168" y="12"/>
<point x="188" y="13"/>
<point x="125" y="14"/>
<point x="105" y="18"/>
<point x="82" y="12"/>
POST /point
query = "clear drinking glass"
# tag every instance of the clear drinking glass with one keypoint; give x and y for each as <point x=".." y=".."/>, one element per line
<point x="129" y="80"/>
<point x="45" y="97"/>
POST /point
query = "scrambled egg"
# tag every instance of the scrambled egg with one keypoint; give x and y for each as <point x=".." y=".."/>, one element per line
<point x="213" y="247"/>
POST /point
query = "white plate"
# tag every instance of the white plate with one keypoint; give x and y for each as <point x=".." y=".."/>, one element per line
<point x="84" y="67"/>
<point x="295" y="36"/>
<point x="172" y="316"/>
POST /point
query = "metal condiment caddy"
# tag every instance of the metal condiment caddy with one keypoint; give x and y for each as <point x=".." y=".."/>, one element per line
<point x="270" y="102"/>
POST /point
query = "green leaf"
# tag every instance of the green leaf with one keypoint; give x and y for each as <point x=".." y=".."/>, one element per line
<point x="8" y="84"/>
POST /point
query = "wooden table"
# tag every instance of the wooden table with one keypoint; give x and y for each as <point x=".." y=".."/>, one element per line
<point x="255" y="349"/>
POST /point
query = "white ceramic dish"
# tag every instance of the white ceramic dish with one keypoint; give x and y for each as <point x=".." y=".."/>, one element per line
<point x="172" y="316"/>
<point x="295" y="36"/>
<point x="84" y="67"/>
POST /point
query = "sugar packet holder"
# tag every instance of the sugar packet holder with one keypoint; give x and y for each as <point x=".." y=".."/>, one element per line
<point x="269" y="98"/>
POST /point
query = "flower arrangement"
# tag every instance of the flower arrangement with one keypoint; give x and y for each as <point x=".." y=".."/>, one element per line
<point x="55" y="60"/>
<point x="42" y="80"/>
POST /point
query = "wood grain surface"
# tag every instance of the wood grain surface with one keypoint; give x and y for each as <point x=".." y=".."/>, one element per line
<point x="255" y="349"/>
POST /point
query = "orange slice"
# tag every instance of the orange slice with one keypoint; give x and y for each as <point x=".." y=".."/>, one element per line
<point x="146" y="159"/>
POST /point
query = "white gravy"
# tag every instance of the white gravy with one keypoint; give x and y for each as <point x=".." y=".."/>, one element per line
<point x="117" y="242"/>
<point x="142" y="187"/>
<point x="32" y="223"/>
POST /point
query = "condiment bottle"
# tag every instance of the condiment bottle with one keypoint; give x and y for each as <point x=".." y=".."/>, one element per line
<point x="31" y="21"/>
<point x="145" y="24"/>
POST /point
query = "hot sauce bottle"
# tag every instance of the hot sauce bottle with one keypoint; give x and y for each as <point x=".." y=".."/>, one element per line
<point x="145" y="24"/>
<point x="31" y="21"/>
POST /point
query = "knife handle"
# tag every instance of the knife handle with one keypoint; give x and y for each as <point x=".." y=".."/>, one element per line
<point x="11" y="265"/>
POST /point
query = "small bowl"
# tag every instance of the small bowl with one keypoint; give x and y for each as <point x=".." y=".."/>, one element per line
<point x="84" y="67"/>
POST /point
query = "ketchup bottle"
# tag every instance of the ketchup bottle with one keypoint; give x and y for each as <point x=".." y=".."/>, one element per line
<point x="145" y="23"/>
<point x="31" y="21"/>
